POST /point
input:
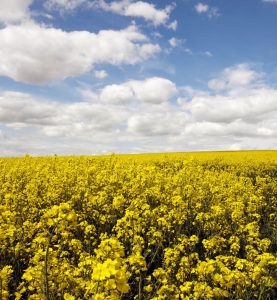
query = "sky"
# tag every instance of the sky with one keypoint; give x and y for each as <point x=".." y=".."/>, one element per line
<point x="85" y="77"/>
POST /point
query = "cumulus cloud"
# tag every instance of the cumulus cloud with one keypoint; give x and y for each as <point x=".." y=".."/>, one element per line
<point x="202" y="8"/>
<point x="217" y="84"/>
<point x="237" y="76"/>
<point x="100" y="74"/>
<point x="173" y="25"/>
<point x="241" y="108"/>
<point x="20" y="110"/>
<point x="235" y="130"/>
<point x="174" y="42"/>
<point x="149" y="125"/>
<point x="244" y="120"/>
<point x="116" y="93"/>
<point x="144" y="116"/>
<point x="141" y="9"/>
<point x="63" y="4"/>
<point x="251" y="106"/>
<point x="168" y="122"/>
<point x="35" y="54"/>
<point x="14" y="10"/>
<point x="153" y="90"/>
<point x="108" y="125"/>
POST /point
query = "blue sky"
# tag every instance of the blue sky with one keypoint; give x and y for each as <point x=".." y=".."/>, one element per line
<point x="95" y="77"/>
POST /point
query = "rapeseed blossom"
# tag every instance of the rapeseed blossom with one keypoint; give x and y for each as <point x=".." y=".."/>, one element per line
<point x="139" y="227"/>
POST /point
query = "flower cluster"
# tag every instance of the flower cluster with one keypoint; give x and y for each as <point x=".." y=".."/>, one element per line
<point x="139" y="227"/>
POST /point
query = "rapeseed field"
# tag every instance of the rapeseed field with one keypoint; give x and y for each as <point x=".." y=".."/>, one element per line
<point x="158" y="226"/>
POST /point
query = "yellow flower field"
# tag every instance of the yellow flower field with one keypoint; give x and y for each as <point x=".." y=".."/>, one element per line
<point x="157" y="226"/>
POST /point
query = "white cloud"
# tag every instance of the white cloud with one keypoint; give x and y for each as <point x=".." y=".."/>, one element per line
<point x="116" y="93"/>
<point x="14" y="10"/>
<point x="20" y="110"/>
<point x="156" y="123"/>
<point x="240" y="75"/>
<point x="202" y="8"/>
<point x="208" y="54"/>
<point x="137" y="116"/>
<point x="153" y="90"/>
<point x="141" y="9"/>
<point x="237" y="76"/>
<point x="237" y="129"/>
<point x="247" y="120"/>
<point x="174" y="42"/>
<point x="35" y="54"/>
<point x="250" y="106"/>
<point x="188" y="51"/>
<point x="157" y="35"/>
<point x="98" y="111"/>
<point x="128" y="8"/>
<point x="63" y="4"/>
<point x="270" y="1"/>
<point x="100" y="74"/>
<point x="148" y="125"/>
<point x="173" y="25"/>
<point x="241" y="112"/>
<point x="217" y="84"/>
<point x="213" y="12"/>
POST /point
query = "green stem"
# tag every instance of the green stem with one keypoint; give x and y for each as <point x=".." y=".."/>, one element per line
<point x="154" y="256"/>
<point x="97" y="286"/>
<point x="140" y="288"/>
<point x="46" y="284"/>
<point x="260" y="294"/>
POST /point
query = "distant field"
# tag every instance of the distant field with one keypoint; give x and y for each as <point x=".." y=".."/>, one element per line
<point x="261" y="155"/>
<point x="199" y="225"/>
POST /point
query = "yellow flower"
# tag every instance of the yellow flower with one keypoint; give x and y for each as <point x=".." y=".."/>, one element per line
<point x="68" y="297"/>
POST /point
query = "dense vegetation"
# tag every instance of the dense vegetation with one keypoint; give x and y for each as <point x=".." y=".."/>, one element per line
<point x="176" y="226"/>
